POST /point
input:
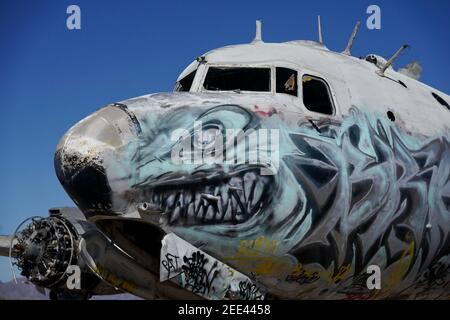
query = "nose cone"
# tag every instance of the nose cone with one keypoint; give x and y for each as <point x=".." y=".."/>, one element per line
<point x="81" y="153"/>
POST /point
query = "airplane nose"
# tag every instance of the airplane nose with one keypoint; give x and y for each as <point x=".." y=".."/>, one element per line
<point x="82" y="151"/>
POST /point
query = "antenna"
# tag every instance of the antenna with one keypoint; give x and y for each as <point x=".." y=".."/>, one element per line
<point x="352" y="38"/>
<point x="258" y="37"/>
<point x="319" y="26"/>
<point x="391" y="60"/>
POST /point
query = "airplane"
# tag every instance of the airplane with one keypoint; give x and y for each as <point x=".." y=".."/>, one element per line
<point x="272" y="171"/>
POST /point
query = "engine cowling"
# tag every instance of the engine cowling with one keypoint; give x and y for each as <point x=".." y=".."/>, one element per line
<point x="43" y="249"/>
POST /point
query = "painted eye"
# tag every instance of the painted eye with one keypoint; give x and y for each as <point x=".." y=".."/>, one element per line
<point x="207" y="137"/>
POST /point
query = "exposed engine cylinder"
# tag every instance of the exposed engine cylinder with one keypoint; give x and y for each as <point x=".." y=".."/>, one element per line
<point x="43" y="248"/>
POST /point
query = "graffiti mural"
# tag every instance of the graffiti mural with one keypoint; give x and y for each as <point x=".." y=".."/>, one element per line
<point x="346" y="194"/>
<point x="204" y="275"/>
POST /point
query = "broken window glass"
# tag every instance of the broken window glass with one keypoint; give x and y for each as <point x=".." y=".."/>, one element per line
<point x="316" y="95"/>
<point x="185" y="83"/>
<point x="237" y="79"/>
<point x="286" y="81"/>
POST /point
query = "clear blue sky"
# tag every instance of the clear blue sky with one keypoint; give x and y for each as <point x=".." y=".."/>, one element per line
<point x="51" y="77"/>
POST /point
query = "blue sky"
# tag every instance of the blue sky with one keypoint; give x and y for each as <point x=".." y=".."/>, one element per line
<point x="51" y="77"/>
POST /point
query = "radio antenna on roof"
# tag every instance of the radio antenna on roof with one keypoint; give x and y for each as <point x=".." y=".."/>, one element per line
<point x="319" y="26"/>
<point x="258" y="36"/>
<point x="352" y="38"/>
<point x="391" y="60"/>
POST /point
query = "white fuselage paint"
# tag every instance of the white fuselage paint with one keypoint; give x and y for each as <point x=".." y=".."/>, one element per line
<point x="353" y="82"/>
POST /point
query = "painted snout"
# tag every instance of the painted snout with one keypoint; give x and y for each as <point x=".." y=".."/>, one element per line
<point x="81" y="153"/>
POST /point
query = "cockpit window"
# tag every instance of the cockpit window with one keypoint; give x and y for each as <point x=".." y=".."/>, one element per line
<point x="237" y="79"/>
<point x="286" y="81"/>
<point x="185" y="83"/>
<point x="316" y="95"/>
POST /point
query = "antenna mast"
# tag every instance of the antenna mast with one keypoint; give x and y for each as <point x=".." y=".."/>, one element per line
<point x="352" y="38"/>
<point x="319" y="26"/>
<point x="391" y="60"/>
<point x="258" y="36"/>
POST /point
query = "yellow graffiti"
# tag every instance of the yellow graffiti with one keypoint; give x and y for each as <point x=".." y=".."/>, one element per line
<point x="257" y="248"/>
<point x="396" y="275"/>
<point x="303" y="275"/>
<point x="402" y="266"/>
<point x="306" y="275"/>
<point x="341" y="273"/>
<point x="114" y="280"/>
<point x="309" y="273"/>
<point x="271" y="267"/>
<point x="258" y="256"/>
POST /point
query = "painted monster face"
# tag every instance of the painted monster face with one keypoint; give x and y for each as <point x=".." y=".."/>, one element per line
<point x="242" y="190"/>
<point x="193" y="182"/>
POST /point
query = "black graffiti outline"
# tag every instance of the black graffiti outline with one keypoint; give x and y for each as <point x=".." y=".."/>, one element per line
<point x="168" y="263"/>
<point x="197" y="277"/>
<point x="249" y="291"/>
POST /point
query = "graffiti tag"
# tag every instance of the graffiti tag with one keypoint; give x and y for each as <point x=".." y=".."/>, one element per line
<point x="170" y="263"/>
<point x="197" y="277"/>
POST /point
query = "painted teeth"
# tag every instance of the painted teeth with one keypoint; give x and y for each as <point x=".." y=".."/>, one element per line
<point x="188" y="198"/>
<point x="210" y="213"/>
<point x="228" y="214"/>
<point x="191" y="213"/>
<point x="259" y="188"/>
<point x="224" y="198"/>
<point x="210" y="197"/>
<point x="201" y="212"/>
<point x="249" y="183"/>
<point x="196" y="205"/>
<point x="219" y="213"/>
<point x="170" y="201"/>
<point x="175" y="215"/>
<point x="232" y="202"/>
<point x="191" y="210"/>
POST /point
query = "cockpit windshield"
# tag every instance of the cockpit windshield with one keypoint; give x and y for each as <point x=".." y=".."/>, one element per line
<point x="185" y="83"/>
<point x="237" y="79"/>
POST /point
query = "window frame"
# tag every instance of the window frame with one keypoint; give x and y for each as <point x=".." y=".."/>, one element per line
<point x="256" y="66"/>
<point x="194" y="71"/>
<point x="297" y="96"/>
<point x="202" y="70"/>
<point x="331" y="94"/>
